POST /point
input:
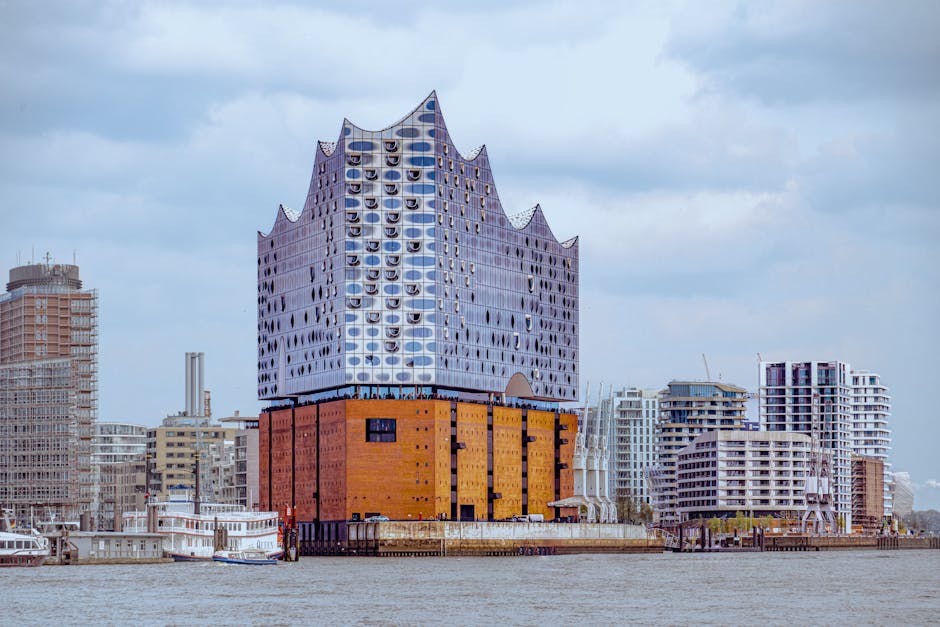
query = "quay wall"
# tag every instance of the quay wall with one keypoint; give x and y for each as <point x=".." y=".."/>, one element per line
<point x="495" y="538"/>
<point x="847" y="543"/>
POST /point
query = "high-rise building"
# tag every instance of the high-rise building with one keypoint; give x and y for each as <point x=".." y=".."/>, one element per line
<point x="634" y="414"/>
<point x="114" y="446"/>
<point x="48" y="390"/>
<point x="686" y="410"/>
<point x="796" y="395"/>
<point x="403" y="278"/>
<point x="871" y="437"/>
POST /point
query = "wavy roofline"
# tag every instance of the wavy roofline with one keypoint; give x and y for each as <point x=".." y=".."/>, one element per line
<point x="400" y="121"/>
<point x="536" y="210"/>
<point x="328" y="149"/>
<point x="282" y="211"/>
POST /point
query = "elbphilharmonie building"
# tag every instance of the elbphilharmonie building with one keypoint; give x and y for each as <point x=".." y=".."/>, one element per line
<point x="414" y="341"/>
<point x="403" y="271"/>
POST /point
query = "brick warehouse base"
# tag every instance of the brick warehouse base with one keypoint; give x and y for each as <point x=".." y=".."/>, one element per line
<point x="425" y="459"/>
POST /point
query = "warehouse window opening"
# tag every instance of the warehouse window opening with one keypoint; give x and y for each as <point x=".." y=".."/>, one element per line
<point x="380" y="429"/>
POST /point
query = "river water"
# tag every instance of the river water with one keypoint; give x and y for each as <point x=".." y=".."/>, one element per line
<point x="860" y="587"/>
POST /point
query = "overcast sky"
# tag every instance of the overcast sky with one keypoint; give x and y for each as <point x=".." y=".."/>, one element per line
<point x="745" y="177"/>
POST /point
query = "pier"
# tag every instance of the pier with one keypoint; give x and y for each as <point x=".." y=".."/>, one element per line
<point x="506" y="539"/>
<point x="757" y="542"/>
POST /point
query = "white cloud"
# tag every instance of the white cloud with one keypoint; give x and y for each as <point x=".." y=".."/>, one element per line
<point x="733" y="191"/>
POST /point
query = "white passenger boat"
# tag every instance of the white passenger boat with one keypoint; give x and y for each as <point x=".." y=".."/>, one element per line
<point x="21" y="548"/>
<point x="255" y="557"/>
<point x="193" y="537"/>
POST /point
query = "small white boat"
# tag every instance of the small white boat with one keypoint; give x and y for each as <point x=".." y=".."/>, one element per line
<point x="245" y="556"/>
<point x="21" y="548"/>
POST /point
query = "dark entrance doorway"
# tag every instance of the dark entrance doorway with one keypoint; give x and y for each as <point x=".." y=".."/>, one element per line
<point x="467" y="512"/>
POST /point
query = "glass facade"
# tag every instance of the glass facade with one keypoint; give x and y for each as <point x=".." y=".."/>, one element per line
<point x="402" y="270"/>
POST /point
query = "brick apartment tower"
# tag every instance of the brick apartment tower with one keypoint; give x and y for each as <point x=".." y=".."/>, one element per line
<point x="414" y="342"/>
<point x="48" y="391"/>
<point x="867" y="493"/>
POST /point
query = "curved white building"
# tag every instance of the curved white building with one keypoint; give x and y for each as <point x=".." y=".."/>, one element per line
<point x="871" y="437"/>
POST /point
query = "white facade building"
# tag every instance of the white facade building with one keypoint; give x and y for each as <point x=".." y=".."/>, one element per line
<point x="871" y="437"/>
<point x="686" y="410"/>
<point x="246" y="471"/>
<point x="114" y="446"/>
<point x="634" y="414"/>
<point x="759" y="473"/>
<point x="787" y="394"/>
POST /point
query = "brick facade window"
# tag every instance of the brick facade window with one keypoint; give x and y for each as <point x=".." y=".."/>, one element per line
<point x="380" y="430"/>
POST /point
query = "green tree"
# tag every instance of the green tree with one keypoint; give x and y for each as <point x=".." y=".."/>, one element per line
<point x="631" y="509"/>
<point x="740" y="522"/>
<point x="626" y="507"/>
<point x="715" y="525"/>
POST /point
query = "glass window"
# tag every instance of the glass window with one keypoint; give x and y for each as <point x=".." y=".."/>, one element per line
<point x="380" y="429"/>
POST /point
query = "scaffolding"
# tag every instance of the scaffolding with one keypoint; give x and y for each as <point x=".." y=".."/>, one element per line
<point x="48" y="391"/>
<point x="867" y="493"/>
<point x="39" y="438"/>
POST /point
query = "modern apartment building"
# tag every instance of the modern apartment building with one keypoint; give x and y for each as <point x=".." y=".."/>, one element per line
<point x="634" y="414"/>
<point x="414" y="341"/>
<point x="759" y="473"/>
<point x="686" y="410"/>
<point x="796" y="395"/>
<point x="114" y="446"/>
<point x="130" y="492"/>
<point x="171" y="453"/>
<point x="871" y="436"/>
<point x="246" y="468"/>
<point x="48" y="390"/>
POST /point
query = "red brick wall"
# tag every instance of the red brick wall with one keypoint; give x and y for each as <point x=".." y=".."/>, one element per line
<point x="408" y="478"/>
<point x="305" y="461"/>
<point x="282" y="475"/>
<point x="507" y="471"/>
<point x="397" y="479"/>
<point x="333" y="456"/>
<point x="264" y="467"/>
